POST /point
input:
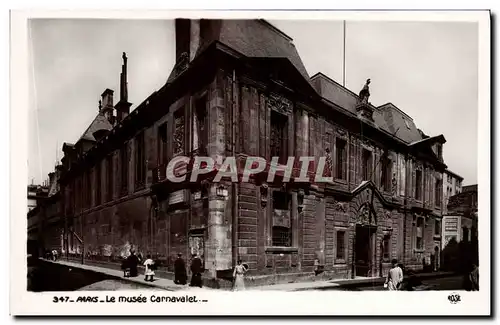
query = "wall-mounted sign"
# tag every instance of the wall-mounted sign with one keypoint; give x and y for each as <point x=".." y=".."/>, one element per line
<point x="451" y="224"/>
<point x="177" y="197"/>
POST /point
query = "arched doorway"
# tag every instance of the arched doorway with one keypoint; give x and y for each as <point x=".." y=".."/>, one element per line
<point x="365" y="242"/>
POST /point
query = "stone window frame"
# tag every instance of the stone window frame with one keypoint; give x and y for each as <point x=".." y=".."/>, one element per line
<point x="385" y="235"/>
<point x="344" y="260"/>
<point x="294" y="248"/>
<point x="370" y="169"/>
<point x="345" y="175"/>
<point x="422" y="248"/>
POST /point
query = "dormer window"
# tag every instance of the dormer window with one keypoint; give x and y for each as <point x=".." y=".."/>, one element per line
<point x="407" y="124"/>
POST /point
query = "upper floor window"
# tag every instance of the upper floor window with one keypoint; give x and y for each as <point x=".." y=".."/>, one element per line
<point x="162" y="144"/>
<point x="366" y="164"/>
<point x="179" y="132"/>
<point x="438" y="192"/>
<point x="440" y="151"/>
<point x="140" y="161"/>
<point x="407" y="124"/>
<point x="386" y="179"/>
<point x="98" y="184"/>
<point x="109" y="174"/>
<point x="124" y="157"/>
<point x="201" y="126"/>
<point x="418" y="184"/>
<point x="341" y="159"/>
<point x="386" y="244"/>
<point x="279" y="141"/>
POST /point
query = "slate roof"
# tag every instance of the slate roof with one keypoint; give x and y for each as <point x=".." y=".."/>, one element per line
<point x="100" y="122"/>
<point x="250" y="37"/>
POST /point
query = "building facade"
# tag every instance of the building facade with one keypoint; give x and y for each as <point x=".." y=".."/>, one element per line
<point x="451" y="186"/>
<point x="230" y="96"/>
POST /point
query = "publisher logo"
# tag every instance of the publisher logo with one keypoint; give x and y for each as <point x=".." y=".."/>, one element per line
<point x="454" y="298"/>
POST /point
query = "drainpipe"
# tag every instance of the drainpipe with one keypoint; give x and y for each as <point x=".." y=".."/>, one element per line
<point x="234" y="194"/>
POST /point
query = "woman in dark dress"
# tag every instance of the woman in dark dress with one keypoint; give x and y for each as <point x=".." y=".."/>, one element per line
<point x="180" y="270"/>
<point x="196" y="269"/>
<point x="132" y="262"/>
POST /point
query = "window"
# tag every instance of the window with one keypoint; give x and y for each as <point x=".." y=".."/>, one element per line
<point x="386" y="173"/>
<point x="124" y="169"/>
<point x="162" y="144"/>
<point x="418" y="185"/>
<point x="386" y="245"/>
<point x="341" y="254"/>
<point x="110" y="174"/>
<point x="98" y="184"/>
<point x="140" y="162"/>
<point x="281" y="227"/>
<point x="279" y="141"/>
<point x="341" y="160"/>
<point x="437" y="192"/>
<point x="366" y="164"/>
<point x="201" y="125"/>
<point x="420" y="233"/>
<point x="437" y="228"/>
<point x="179" y="132"/>
<point x="440" y="151"/>
<point x="88" y="189"/>
<point x="407" y="124"/>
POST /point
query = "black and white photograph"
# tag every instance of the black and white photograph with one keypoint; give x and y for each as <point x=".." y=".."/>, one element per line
<point x="289" y="158"/>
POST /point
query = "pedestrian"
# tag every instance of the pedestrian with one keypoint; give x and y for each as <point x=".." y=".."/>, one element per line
<point x="196" y="269"/>
<point x="125" y="267"/>
<point x="238" y="276"/>
<point x="149" y="266"/>
<point x="132" y="262"/>
<point x="394" y="277"/>
<point x="474" y="278"/>
<point x="180" y="274"/>
<point x="54" y="255"/>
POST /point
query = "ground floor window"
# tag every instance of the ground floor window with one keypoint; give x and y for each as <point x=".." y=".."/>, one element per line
<point x="341" y="247"/>
<point x="281" y="219"/>
<point x="282" y="236"/>
<point x="386" y="248"/>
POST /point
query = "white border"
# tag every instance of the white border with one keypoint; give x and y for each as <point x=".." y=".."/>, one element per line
<point x="247" y="303"/>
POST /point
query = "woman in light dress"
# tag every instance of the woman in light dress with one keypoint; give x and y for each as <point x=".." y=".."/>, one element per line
<point x="238" y="276"/>
<point x="394" y="277"/>
<point x="148" y="264"/>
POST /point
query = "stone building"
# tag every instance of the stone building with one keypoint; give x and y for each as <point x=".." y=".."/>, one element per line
<point x="452" y="185"/>
<point x="238" y="89"/>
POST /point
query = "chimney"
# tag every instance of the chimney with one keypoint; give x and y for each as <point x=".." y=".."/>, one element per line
<point x="106" y="105"/>
<point x="123" y="106"/>
<point x="187" y="38"/>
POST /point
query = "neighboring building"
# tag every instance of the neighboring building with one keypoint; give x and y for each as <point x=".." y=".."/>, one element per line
<point x="45" y="221"/>
<point x="451" y="186"/>
<point x="231" y="95"/>
<point x="461" y="223"/>
<point x="36" y="193"/>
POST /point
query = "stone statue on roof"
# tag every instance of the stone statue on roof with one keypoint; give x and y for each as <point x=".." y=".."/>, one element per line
<point x="364" y="94"/>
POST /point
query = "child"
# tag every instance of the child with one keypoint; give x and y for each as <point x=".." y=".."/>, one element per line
<point x="149" y="265"/>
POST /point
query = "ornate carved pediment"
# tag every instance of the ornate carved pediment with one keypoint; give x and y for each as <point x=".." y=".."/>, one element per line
<point x="279" y="104"/>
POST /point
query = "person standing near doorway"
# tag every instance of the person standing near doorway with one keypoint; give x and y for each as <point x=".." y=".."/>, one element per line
<point x="132" y="262"/>
<point x="196" y="269"/>
<point x="394" y="277"/>
<point x="180" y="271"/>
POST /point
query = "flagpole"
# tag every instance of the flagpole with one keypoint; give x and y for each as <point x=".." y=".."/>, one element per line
<point x="343" y="59"/>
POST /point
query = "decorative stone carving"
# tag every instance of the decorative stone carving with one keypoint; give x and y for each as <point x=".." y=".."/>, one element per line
<point x="182" y="62"/>
<point x="340" y="206"/>
<point x="394" y="185"/>
<point x="387" y="214"/>
<point x="300" y="199"/>
<point x="264" y="188"/>
<point x="364" y="94"/>
<point x="365" y="216"/>
<point x="329" y="163"/>
<point x="279" y="104"/>
<point x="341" y="132"/>
<point x="179" y="135"/>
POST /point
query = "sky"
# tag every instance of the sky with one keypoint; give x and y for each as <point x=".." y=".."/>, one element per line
<point x="429" y="70"/>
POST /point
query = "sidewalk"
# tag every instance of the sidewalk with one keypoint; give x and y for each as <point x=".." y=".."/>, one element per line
<point x="159" y="283"/>
<point x="169" y="285"/>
